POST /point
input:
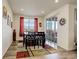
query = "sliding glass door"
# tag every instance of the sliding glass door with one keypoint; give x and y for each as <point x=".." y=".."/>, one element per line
<point x="51" y="29"/>
<point x="48" y="29"/>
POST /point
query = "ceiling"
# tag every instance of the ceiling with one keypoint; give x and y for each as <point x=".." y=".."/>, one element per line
<point x="36" y="7"/>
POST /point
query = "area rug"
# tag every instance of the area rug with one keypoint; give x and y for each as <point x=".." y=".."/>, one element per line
<point x="39" y="52"/>
<point x="30" y="51"/>
<point x="22" y="54"/>
<point x="47" y="46"/>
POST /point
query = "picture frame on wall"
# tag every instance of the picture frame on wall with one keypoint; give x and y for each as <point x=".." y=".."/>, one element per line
<point x="8" y="20"/>
<point x="40" y="24"/>
<point x="4" y="12"/>
<point x="11" y="24"/>
<point x="6" y="16"/>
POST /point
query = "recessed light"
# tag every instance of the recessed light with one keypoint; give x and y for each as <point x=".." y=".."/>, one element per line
<point x="42" y="12"/>
<point x="22" y="9"/>
<point x="56" y="1"/>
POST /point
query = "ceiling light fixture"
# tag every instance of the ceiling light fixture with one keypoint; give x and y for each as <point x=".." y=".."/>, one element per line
<point x="56" y="1"/>
<point x="42" y="12"/>
<point x="22" y="9"/>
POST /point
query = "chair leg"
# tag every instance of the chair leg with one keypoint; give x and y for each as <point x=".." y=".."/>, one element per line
<point x="38" y="43"/>
<point x="26" y="44"/>
<point x="23" y="42"/>
<point x="29" y="43"/>
<point x="34" y="42"/>
<point x="43" y="43"/>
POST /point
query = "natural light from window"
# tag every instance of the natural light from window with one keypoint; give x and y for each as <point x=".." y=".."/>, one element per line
<point x="28" y="25"/>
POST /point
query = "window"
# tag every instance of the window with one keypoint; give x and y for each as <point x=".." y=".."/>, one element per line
<point x="28" y="24"/>
<point x="51" y="25"/>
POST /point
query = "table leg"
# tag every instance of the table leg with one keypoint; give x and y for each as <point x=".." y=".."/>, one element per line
<point x="34" y="42"/>
<point x="26" y="43"/>
<point x="43" y="43"/>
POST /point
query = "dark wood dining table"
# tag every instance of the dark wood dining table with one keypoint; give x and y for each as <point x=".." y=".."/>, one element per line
<point x="33" y="39"/>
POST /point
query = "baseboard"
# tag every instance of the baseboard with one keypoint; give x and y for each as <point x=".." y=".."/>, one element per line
<point x="67" y="49"/>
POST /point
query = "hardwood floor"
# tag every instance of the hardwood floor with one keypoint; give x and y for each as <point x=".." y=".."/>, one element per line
<point x="59" y="53"/>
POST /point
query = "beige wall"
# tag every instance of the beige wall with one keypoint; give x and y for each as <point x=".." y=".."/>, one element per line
<point x="40" y="20"/>
<point x="16" y="25"/>
<point x="65" y="37"/>
<point x="6" y="29"/>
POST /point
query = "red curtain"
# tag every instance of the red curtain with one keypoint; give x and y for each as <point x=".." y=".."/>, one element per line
<point x="35" y="24"/>
<point x="21" y="25"/>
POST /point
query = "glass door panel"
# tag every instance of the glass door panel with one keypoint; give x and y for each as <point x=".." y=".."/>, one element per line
<point x="51" y="30"/>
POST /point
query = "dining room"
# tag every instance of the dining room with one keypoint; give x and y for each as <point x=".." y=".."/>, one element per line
<point x="39" y="29"/>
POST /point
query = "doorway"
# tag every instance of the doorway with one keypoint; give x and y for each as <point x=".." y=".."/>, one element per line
<point x="51" y="31"/>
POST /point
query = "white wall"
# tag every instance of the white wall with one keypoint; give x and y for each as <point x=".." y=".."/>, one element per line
<point x="72" y="29"/>
<point x="65" y="32"/>
<point x="6" y="30"/>
<point x="16" y="25"/>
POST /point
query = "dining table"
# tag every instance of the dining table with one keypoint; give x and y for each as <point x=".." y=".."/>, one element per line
<point x="34" y="39"/>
